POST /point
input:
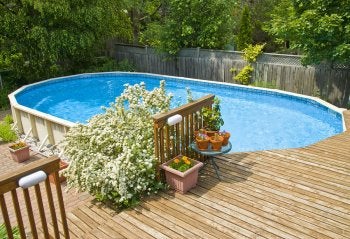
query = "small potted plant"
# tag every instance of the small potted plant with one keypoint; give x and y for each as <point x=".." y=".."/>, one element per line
<point x="212" y="119"/>
<point x="197" y="132"/>
<point x="216" y="142"/>
<point x="202" y="141"/>
<point x="181" y="173"/>
<point x="19" y="151"/>
<point x="226" y="136"/>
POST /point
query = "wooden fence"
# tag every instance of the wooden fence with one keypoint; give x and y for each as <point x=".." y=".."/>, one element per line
<point x="171" y="141"/>
<point x="284" y="71"/>
<point x="9" y="184"/>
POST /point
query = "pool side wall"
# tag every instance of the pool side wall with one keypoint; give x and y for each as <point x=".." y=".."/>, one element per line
<point x="48" y="129"/>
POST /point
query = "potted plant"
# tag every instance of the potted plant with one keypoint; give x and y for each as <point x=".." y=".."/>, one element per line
<point x="19" y="151"/>
<point x="202" y="141"/>
<point x="200" y="131"/>
<point x="181" y="173"/>
<point x="212" y="119"/>
<point x="216" y="142"/>
<point x="61" y="178"/>
<point x="226" y="136"/>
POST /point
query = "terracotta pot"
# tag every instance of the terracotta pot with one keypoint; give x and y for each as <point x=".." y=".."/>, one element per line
<point x="196" y="132"/>
<point x="63" y="165"/>
<point x="216" y="143"/>
<point x="202" y="144"/>
<point x="226" y="136"/>
<point x="211" y="133"/>
<point x="182" y="181"/>
<point x="20" y="155"/>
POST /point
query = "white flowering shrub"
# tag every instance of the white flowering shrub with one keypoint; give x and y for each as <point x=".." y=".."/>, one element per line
<point x="112" y="157"/>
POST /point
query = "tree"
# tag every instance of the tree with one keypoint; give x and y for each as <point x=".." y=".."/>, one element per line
<point x="143" y="13"/>
<point x="320" y="28"/>
<point x="40" y="39"/>
<point x="244" y="36"/>
<point x="193" y="23"/>
<point x="259" y="11"/>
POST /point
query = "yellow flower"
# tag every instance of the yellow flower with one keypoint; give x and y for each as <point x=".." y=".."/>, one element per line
<point x="176" y="160"/>
<point x="187" y="162"/>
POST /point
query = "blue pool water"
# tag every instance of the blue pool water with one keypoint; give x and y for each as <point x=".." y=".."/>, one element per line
<point x="257" y="119"/>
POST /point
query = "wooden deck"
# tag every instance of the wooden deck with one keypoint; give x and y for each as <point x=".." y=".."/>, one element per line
<point x="294" y="193"/>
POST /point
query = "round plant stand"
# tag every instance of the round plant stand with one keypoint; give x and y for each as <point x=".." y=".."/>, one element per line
<point x="210" y="155"/>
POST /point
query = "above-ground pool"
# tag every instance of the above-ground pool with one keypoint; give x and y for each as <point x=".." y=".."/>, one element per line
<point x="257" y="119"/>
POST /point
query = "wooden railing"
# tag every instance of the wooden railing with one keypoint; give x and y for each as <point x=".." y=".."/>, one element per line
<point x="9" y="183"/>
<point x="176" y="139"/>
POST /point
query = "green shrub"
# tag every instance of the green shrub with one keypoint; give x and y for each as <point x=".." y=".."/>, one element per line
<point x="112" y="157"/>
<point x="8" y="119"/>
<point x="104" y="64"/>
<point x="244" y="36"/>
<point x="3" y="233"/>
<point x="4" y="100"/>
<point x="245" y="75"/>
<point x="250" y="55"/>
<point x="6" y="133"/>
<point x="212" y="119"/>
<point x="251" y="52"/>
<point x="125" y="65"/>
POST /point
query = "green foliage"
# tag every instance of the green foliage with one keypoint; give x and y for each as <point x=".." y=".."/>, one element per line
<point x="112" y="157"/>
<point x="105" y="64"/>
<point x="245" y="75"/>
<point x="18" y="145"/>
<point x="3" y="232"/>
<point x="244" y="36"/>
<point x="212" y="119"/>
<point x="250" y="55"/>
<point x="151" y="36"/>
<point x="259" y="13"/>
<point x="143" y="14"/>
<point x="8" y="119"/>
<point x="181" y="163"/>
<point x="125" y="65"/>
<point x="320" y="28"/>
<point x="9" y="86"/>
<point x="4" y="100"/>
<point x="6" y="133"/>
<point x="251" y="52"/>
<point x="192" y="23"/>
<point x="40" y="39"/>
<point x="281" y="16"/>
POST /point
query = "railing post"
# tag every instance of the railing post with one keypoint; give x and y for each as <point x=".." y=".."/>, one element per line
<point x="176" y="139"/>
<point x="27" y="177"/>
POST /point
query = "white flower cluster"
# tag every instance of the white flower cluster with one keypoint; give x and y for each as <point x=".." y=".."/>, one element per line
<point x="112" y="157"/>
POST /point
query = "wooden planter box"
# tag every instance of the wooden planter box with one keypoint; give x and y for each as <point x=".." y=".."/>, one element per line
<point x="63" y="165"/>
<point x="20" y="155"/>
<point x="182" y="181"/>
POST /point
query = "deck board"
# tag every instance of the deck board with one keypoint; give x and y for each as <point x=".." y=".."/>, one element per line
<point x="289" y="193"/>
